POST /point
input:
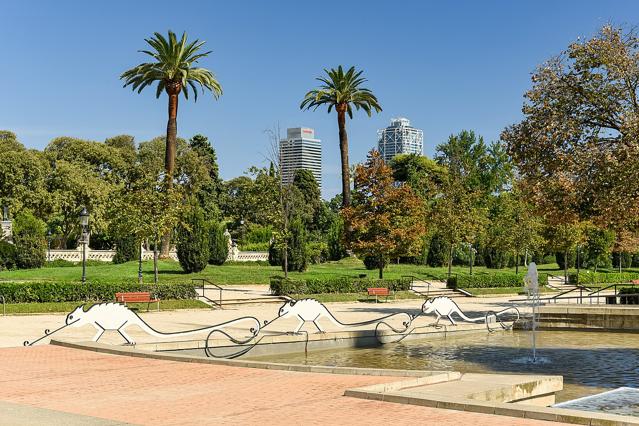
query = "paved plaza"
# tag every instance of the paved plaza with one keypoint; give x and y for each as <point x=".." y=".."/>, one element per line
<point x="70" y="386"/>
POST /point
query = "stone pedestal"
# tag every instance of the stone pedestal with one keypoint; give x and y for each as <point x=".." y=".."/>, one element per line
<point x="7" y="230"/>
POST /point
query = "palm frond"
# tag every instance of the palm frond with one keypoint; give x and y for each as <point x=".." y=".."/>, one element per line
<point x="339" y="87"/>
<point x="173" y="63"/>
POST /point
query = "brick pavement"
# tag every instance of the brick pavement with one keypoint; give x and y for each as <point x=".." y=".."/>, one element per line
<point x="148" y="391"/>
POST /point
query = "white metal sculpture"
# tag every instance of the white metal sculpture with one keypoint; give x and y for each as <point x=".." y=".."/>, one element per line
<point x="311" y="310"/>
<point x="444" y="306"/>
<point x="116" y="317"/>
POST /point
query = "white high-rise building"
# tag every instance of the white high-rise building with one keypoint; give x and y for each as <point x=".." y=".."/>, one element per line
<point x="300" y="150"/>
<point x="400" y="138"/>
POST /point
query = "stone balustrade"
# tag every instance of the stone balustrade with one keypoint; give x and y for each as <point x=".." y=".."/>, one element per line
<point x="107" y="255"/>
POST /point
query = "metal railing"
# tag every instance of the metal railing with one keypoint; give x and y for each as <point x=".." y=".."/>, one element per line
<point x="586" y="293"/>
<point x="205" y="282"/>
<point x="412" y="279"/>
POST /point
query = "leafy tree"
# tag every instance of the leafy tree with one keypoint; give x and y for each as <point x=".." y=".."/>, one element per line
<point x="174" y="71"/>
<point x="599" y="243"/>
<point x="387" y="220"/>
<point x="480" y="167"/>
<point x="577" y="146"/>
<point x="297" y="254"/>
<point x="219" y="248"/>
<point x="311" y="206"/>
<point x="193" y="241"/>
<point x="458" y="216"/>
<point x="423" y="174"/>
<point x="342" y="91"/>
<point x="564" y="237"/>
<point x="29" y="241"/>
<point x="209" y="193"/>
<point x="7" y="255"/>
<point x="127" y="248"/>
<point x="9" y="142"/>
<point x="336" y="247"/>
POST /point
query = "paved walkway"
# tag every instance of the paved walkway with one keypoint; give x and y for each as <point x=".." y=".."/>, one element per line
<point x="145" y="391"/>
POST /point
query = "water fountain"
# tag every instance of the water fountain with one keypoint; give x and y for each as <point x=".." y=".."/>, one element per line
<point x="531" y="283"/>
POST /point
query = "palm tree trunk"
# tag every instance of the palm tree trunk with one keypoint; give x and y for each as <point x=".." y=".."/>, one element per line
<point x="343" y="148"/>
<point x="169" y="158"/>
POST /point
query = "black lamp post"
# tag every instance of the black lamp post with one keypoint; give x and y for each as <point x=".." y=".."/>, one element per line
<point x="84" y="223"/>
<point x="49" y="245"/>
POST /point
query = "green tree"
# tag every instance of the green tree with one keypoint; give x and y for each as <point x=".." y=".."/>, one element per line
<point x="9" y="142"/>
<point x="209" y="193"/>
<point x="174" y="72"/>
<point x="387" y="220"/>
<point x="598" y="250"/>
<point x="219" y="247"/>
<point x="193" y="241"/>
<point x="297" y="254"/>
<point x="335" y="240"/>
<point x="564" y="237"/>
<point x="29" y="241"/>
<point x="342" y="91"/>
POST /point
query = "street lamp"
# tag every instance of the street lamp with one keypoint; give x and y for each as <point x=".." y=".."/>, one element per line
<point x="49" y="245"/>
<point x="84" y="223"/>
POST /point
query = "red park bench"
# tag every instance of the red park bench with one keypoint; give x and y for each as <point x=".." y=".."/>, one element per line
<point x="137" y="297"/>
<point x="379" y="291"/>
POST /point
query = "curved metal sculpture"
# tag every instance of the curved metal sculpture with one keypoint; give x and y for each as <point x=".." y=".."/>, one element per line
<point x="117" y="317"/>
<point x="444" y="306"/>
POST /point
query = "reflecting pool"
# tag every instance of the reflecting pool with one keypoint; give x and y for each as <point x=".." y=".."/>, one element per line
<point x="591" y="362"/>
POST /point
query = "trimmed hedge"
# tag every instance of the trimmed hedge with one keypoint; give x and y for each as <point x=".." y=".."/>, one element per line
<point x="603" y="277"/>
<point x="74" y="292"/>
<point x="282" y="286"/>
<point x="491" y="280"/>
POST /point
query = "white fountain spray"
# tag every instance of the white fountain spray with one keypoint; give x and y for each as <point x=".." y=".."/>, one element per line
<point x="531" y="281"/>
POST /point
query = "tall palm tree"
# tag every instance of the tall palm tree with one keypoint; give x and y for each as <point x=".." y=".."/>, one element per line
<point x="341" y="90"/>
<point x="174" y="71"/>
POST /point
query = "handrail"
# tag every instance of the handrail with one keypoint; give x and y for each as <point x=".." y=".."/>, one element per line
<point x="4" y="306"/>
<point x="204" y="280"/>
<point x="577" y="287"/>
<point x="413" y="278"/>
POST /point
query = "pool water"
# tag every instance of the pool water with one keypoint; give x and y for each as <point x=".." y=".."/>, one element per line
<point x="590" y="362"/>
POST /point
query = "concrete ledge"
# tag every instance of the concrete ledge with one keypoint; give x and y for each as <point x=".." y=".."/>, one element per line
<point x="403" y="393"/>
<point x="131" y="351"/>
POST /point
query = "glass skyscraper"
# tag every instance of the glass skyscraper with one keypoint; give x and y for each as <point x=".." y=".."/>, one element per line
<point x="300" y="150"/>
<point x="400" y="138"/>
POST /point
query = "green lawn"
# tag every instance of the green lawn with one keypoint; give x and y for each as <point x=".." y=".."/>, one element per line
<point x="57" y="307"/>
<point x="230" y="274"/>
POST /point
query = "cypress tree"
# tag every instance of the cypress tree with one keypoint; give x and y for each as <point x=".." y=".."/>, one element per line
<point x="297" y="259"/>
<point x="193" y="241"/>
<point x="219" y="248"/>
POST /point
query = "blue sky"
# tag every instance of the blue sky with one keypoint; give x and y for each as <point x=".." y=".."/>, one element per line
<point x="446" y="66"/>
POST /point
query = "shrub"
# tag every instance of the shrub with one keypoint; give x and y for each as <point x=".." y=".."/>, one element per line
<point x="372" y="262"/>
<point x="60" y="263"/>
<point x="100" y="292"/>
<point x="219" y="244"/>
<point x="282" y="286"/>
<point x="317" y="252"/>
<point x="588" y="277"/>
<point x="297" y="255"/>
<point x="274" y="255"/>
<point x="7" y="255"/>
<point x="31" y="246"/>
<point x="336" y="247"/>
<point x="193" y="241"/>
<point x="254" y="247"/>
<point x="126" y="249"/>
<point x="491" y="280"/>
